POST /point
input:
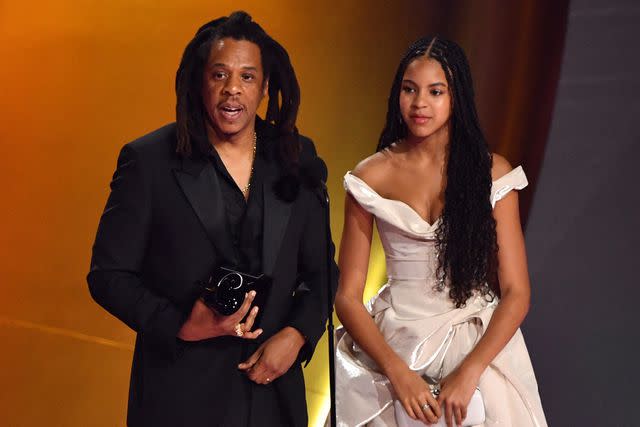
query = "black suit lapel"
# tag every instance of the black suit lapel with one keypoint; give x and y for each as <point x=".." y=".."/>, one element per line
<point x="276" y="219"/>
<point x="200" y="185"/>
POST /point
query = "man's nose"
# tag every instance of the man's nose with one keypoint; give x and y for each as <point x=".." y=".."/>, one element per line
<point x="232" y="86"/>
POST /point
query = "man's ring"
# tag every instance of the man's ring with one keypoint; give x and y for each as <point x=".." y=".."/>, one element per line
<point x="239" y="331"/>
<point x="426" y="406"/>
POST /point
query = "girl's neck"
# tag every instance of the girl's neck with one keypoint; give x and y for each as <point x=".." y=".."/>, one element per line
<point x="431" y="148"/>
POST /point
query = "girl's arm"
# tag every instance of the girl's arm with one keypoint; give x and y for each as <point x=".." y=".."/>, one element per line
<point x="513" y="276"/>
<point x="353" y="262"/>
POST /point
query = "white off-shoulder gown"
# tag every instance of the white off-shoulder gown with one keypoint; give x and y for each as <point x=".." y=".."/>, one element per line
<point x="425" y="328"/>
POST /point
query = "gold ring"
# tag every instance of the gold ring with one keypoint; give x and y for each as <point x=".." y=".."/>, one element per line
<point x="239" y="331"/>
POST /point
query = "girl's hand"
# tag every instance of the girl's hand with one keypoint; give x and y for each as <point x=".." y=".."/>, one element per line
<point x="415" y="395"/>
<point x="455" y="394"/>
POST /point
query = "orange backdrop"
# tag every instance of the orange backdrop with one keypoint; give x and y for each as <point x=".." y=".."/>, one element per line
<point x="81" y="78"/>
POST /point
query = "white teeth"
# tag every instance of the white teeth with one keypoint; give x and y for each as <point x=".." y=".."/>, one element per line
<point x="231" y="113"/>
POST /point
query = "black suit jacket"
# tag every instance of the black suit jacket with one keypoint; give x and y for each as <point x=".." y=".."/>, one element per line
<point x="162" y="230"/>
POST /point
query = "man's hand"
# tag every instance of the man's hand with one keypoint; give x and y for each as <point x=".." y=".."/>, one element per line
<point x="274" y="357"/>
<point x="205" y="323"/>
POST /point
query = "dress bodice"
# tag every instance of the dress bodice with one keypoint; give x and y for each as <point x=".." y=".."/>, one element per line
<point x="407" y="239"/>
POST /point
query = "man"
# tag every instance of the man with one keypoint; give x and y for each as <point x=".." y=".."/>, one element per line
<point x="220" y="187"/>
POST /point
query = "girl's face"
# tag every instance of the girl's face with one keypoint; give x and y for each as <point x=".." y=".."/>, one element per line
<point x="425" y="99"/>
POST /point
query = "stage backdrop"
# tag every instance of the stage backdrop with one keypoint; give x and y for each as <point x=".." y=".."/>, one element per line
<point x="81" y="78"/>
<point x="583" y="234"/>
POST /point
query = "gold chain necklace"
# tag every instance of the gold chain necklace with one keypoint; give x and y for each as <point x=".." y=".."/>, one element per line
<point x="245" y="190"/>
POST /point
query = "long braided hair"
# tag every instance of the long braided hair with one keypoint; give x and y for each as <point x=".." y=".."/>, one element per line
<point x="284" y="91"/>
<point x="466" y="236"/>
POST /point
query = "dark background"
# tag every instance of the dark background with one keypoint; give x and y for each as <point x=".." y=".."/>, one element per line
<point x="583" y="231"/>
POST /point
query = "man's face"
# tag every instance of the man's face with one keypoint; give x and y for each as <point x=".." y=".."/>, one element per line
<point x="233" y="86"/>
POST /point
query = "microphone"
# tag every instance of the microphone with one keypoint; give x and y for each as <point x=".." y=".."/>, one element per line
<point x="313" y="174"/>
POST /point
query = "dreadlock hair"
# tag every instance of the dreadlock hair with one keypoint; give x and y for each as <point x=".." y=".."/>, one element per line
<point x="284" y="91"/>
<point x="466" y="236"/>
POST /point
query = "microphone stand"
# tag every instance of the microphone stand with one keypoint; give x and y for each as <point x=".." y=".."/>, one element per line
<point x="316" y="173"/>
<point x="330" y="325"/>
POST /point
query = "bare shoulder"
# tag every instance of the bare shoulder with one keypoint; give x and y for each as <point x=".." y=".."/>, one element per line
<point x="374" y="168"/>
<point x="500" y="166"/>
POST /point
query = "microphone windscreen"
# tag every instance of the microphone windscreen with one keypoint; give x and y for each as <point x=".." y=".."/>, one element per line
<point x="314" y="171"/>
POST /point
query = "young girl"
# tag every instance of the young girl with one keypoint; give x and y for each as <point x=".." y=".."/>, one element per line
<point x="458" y="287"/>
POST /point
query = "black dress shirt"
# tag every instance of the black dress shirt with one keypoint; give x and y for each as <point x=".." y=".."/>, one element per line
<point x="244" y="217"/>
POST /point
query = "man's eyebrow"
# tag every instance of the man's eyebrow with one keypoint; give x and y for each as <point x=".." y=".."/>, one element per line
<point x="246" y="67"/>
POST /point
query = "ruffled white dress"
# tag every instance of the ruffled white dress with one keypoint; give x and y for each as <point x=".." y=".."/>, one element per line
<point x="425" y="328"/>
